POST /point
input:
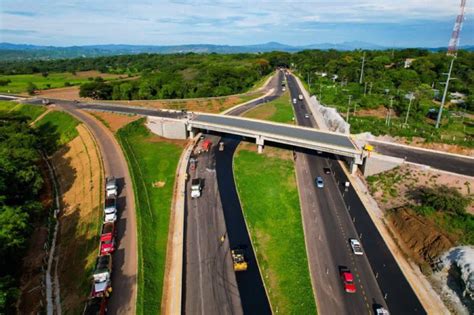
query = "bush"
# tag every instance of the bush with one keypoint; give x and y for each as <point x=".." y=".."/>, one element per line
<point x="444" y="198"/>
<point x="4" y="82"/>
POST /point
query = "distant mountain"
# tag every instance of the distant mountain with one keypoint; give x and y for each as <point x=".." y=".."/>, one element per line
<point x="10" y="51"/>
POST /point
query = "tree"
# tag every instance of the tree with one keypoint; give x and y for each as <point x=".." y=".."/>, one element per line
<point x="444" y="198"/>
<point x="31" y="88"/>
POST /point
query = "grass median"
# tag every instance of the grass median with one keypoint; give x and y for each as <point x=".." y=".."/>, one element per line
<point x="278" y="110"/>
<point x="152" y="162"/>
<point x="267" y="187"/>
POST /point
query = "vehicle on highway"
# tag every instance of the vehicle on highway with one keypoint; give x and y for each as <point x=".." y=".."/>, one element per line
<point x="347" y="279"/>
<point x="294" y="101"/>
<point x="102" y="285"/>
<point x="380" y="310"/>
<point x="196" y="187"/>
<point x="238" y="259"/>
<point x="319" y="182"/>
<point x="221" y="146"/>
<point x="96" y="306"/>
<point x="45" y="101"/>
<point x="356" y="247"/>
<point x="300" y="97"/>
<point x="107" y="238"/>
<point x="111" y="187"/>
<point x="306" y="115"/>
<point x="327" y="170"/>
<point x="110" y="209"/>
<point x="192" y="163"/>
<point x="283" y="89"/>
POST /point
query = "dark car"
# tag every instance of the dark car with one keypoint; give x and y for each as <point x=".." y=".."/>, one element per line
<point x="327" y="170"/>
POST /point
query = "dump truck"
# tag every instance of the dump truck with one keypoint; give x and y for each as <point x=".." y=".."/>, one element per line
<point x="111" y="187"/>
<point x="196" y="187"/>
<point x="107" y="238"/>
<point x="102" y="284"/>
<point x="238" y="259"/>
<point x="110" y="210"/>
<point x="206" y="145"/>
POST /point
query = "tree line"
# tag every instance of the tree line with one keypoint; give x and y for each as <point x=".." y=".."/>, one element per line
<point x="21" y="181"/>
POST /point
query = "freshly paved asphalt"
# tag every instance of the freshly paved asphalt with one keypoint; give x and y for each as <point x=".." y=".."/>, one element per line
<point x="438" y="160"/>
<point x="332" y="215"/>
<point x="124" y="274"/>
<point x="252" y="292"/>
<point x="210" y="285"/>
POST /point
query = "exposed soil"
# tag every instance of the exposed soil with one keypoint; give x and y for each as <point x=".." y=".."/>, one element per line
<point x="420" y="238"/>
<point x="379" y="112"/>
<point x="114" y="121"/>
<point x="80" y="177"/>
<point x="65" y="93"/>
<point x="95" y="73"/>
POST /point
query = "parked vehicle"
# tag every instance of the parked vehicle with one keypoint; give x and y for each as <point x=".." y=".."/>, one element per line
<point x="96" y="306"/>
<point x="356" y="247"/>
<point x="347" y="279"/>
<point x="110" y="209"/>
<point x="238" y="259"/>
<point x="107" y="238"/>
<point x="319" y="182"/>
<point x="196" y="187"/>
<point x="102" y="285"/>
<point x="111" y="187"/>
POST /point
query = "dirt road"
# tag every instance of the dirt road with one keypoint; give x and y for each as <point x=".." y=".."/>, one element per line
<point x="125" y="260"/>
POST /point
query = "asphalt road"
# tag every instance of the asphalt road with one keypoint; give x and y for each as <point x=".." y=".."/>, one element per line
<point x="124" y="274"/>
<point x="438" y="160"/>
<point x="210" y="285"/>
<point x="252" y="291"/>
<point x="331" y="216"/>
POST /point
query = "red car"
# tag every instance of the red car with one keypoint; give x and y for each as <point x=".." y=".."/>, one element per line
<point x="347" y="280"/>
<point x="107" y="238"/>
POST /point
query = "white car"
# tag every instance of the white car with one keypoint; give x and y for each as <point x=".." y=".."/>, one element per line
<point x="294" y="101"/>
<point x="283" y="89"/>
<point x="356" y="247"/>
<point x="300" y="97"/>
<point x="111" y="187"/>
<point x="110" y="210"/>
<point x="306" y="115"/>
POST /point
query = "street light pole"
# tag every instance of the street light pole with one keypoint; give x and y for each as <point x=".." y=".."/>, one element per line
<point x="348" y="108"/>
<point x="409" y="105"/>
<point x="390" y="111"/>
<point x="440" y="111"/>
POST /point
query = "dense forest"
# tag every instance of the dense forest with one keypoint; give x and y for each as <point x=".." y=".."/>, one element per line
<point x="21" y="181"/>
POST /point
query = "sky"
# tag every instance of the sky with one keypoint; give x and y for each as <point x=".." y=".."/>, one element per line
<point x="399" y="23"/>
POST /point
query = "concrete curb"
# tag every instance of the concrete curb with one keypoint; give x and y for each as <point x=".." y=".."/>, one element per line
<point x="430" y="301"/>
<point x="172" y="288"/>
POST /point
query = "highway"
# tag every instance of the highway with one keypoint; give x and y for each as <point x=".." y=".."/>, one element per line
<point x="328" y="217"/>
<point x="435" y="159"/>
<point x="210" y="286"/>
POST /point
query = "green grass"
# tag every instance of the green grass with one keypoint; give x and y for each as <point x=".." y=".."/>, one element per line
<point x="150" y="162"/>
<point x="279" y="110"/>
<point x="65" y="124"/>
<point x="19" y="82"/>
<point x="30" y="111"/>
<point x="269" y="196"/>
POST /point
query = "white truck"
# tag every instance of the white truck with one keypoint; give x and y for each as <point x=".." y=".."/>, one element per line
<point x="111" y="187"/>
<point x="110" y="210"/>
<point x="196" y="187"/>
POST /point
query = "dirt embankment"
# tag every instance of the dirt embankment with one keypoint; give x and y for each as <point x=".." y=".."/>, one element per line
<point x="420" y="239"/>
<point x="80" y="176"/>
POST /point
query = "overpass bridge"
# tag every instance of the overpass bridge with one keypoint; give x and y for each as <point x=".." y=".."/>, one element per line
<point x="264" y="131"/>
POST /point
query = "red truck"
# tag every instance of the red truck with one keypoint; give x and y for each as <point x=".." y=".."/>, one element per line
<point x="107" y="238"/>
<point x="206" y="145"/>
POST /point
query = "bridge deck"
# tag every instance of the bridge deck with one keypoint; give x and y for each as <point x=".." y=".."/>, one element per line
<point x="306" y="134"/>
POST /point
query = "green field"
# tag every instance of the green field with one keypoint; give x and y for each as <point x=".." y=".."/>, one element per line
<point x="65" y="125"/>
<point x="279" y="110"/>
<point x="152" y="166"/>
<point x="269" y="196"/>
<point x="19" y="82"/>
<point x="30" y="111"/>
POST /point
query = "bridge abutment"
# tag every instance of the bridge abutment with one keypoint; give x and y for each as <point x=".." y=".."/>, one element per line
<point x="260" y="144"/>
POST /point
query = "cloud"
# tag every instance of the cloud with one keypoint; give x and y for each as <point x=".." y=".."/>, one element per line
<point x="17" y="32"/>
<point x="20" y="13"/>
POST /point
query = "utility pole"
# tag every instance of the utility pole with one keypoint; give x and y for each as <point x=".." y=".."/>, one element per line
<point x="411" y="98"/>
<point x="365" y="88"/>
<point x="362" y="70"/>
<point x="348" y="109"/>
<point x="370" y="88"/>
<point x="452" y="52"/>
<point x="390" y="111"/>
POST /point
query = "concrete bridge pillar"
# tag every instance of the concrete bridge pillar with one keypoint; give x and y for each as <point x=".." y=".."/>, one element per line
<point x="260" y="143"/>
<point x="353" y="167"/>
<point x="191" y="134"/>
